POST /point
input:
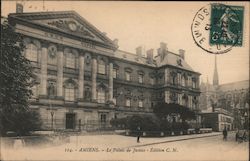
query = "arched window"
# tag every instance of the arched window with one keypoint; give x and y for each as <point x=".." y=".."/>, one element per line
<point x="31" y="52"/>
<point x="101" y="95"/>
<point x="102" y="67"/>
<point x="69" y="92"/>
<point x="70" y="60"/>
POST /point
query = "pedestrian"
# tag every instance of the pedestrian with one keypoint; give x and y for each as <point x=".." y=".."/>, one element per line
<point x="225" y="134"/>
<point x="244" y="137"/>
<point x="138" y="134"/>
<point x="237" y="136"/>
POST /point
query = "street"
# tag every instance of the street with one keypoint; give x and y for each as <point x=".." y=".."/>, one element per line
<point x="110" y="147"/>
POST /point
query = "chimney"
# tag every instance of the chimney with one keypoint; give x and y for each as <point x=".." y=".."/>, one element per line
<point x="150" y="56"/>
<point x="182" y="53"/>
<point x="115" y="42"/>
<point x="19" y="8"/>
<point x="162" y="51"/>
<point x="139" y="51"/>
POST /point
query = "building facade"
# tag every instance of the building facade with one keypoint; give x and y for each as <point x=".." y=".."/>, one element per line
<point x="84" y="80"/>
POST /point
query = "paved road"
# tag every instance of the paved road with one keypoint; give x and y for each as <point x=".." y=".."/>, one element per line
<point x="116" y="147"/>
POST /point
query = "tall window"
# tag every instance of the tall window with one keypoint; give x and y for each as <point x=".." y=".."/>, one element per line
<point x="183" y="80"/>
<point x="101" y="95"/>
<point x="51" y="88"/>
<point x="70" y="60"/>
<point x="31" y="52"/>
<point x="114" y="73"/>
<point x="140" y="78"/>
<point x="128" y="76"/>
<point x="102" y="67"/>
<point x="114" y="100"/>
<point x="180" y="99"/>
<point x="70" y="92"/>
<point x="179" y="78"/>
<point x="128" y="102"/>
<point x="194" y="83"/>
<point x="140" y="103"/>
<point x="152" y="81"/>
<point x="189" y="81"/>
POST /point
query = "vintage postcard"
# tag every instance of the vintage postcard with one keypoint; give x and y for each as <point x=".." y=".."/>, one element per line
<point x="124" y="80"/>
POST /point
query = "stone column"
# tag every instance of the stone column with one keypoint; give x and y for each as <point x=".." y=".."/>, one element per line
<point x="60" y="72"/>
<point x="43" y="76"/>
<point x="94" y="71"/>
<point x="111" y="82"/>
<point x="81" y="78"/>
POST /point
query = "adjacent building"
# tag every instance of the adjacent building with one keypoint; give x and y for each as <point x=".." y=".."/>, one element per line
<point x="230" y="99"/>
<point x="84" y="80"/>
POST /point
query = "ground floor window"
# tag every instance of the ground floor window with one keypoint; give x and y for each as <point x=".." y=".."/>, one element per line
<point x="140" y="103"/>
<point x="128" y="102"/>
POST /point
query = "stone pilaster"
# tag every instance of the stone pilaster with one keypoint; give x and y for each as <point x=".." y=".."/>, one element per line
<point x="94" y="71"/>
<point x="43" y="76"/>
<point x="60" y="72"/>
<point x="111" y="82"/>
<point x="81" y="78"/>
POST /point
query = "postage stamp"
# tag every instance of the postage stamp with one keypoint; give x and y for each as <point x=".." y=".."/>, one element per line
<point x="217" y="28"/>
<point x="227" y="25"/>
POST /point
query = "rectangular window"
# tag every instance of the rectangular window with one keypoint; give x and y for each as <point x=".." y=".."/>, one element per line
<point x="167" y="94"/>
<point x="140" y="78"/>
<point x="70" y="60"/>
<point x="114" y="73"/>
<point x="114" y="100"/>
<point x="180" y="99"/>
<point x="69" y="94"/>
<point x="193" y="84"/>
<point x="189" y="81"/>
<point x="128" y="76"/>
<point x="103" y="118"/>
<point x="152" y="81"/>
<point x="101" y="96"/>
<point x="179" y="78"/>
<point x="140" y="103"/>
<point x="128" y="102"/>
<point x="101" y="68"/>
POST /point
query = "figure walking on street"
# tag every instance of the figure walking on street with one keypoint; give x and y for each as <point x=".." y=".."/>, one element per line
<point x="138" y="134"/>
<point x="225" y="134"/>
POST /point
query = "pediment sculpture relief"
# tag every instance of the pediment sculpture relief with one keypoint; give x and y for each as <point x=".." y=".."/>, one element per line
<point x="72" y="26"/>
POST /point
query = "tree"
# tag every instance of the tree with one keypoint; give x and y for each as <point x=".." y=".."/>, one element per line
<point x="16" y="81"/>
<point x="164" y="109"/>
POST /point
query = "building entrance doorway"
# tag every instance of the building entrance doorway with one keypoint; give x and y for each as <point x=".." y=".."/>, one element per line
<point x="70" y="121"/>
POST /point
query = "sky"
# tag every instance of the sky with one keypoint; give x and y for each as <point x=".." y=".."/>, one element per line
<point x="148" y="24"/>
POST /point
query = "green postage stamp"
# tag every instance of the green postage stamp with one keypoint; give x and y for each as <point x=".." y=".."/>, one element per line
<point x="227" y="25"/>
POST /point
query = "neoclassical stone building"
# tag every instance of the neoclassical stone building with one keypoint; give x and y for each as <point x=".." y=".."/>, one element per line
<point x="84" y="80"/>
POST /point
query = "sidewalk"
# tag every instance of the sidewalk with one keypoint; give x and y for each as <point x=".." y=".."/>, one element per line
<point x="122" y="141"/>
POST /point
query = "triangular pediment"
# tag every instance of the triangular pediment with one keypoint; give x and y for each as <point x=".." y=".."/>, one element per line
<point x="68" y="22"/>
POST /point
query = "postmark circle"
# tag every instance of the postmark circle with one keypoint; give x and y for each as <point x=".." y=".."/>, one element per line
<point x="217" y="28"/>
